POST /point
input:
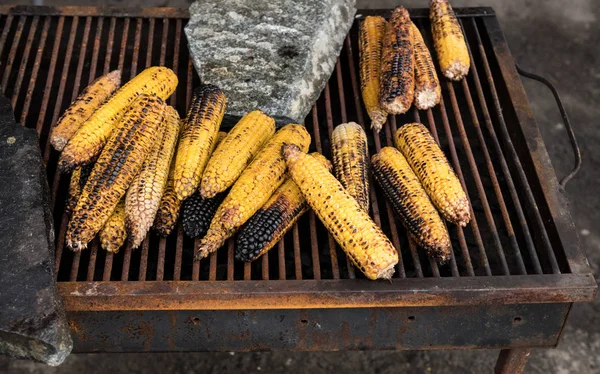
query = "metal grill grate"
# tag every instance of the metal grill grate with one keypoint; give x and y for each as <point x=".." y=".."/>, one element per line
<point x="47" y="59"/>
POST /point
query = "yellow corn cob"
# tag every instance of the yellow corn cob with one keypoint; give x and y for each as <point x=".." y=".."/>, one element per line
<point x="403" y="190"/>
<point x="79" y="178"/>
<point x="350" y="153"/>
<point x="435" y="173"/>
<point x="238" y="149"/>
<point x="118" y="164"/>
<point x="427" y="85"/>
<point x="113" y="234"/>
<point x="448" y="40"/>
<point x="198" y="138"/>
<point x="397" y="86"/>
<point x="363" y="241"/>
<point x="268" y="225"/>
<point x="83" y="107"/>
<point x="144" y="195"/>
<point x="253" y="188"/>
<point x="168" y="210"/>
<point x="88" y="141"/>
<point x="370" y="42"/>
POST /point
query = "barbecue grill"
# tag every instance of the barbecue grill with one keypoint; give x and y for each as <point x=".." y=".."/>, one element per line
<point x="516" y="269"/>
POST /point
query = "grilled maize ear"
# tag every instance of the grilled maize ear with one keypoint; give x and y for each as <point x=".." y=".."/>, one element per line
<point x="79" y="178"/>
<point x="350" y="153"/>
<point x="363" y="241"/>
<point x="198" y="138"/>
<point x="116" y="168"/>
<point x="427" y="85"/>
<point x="253" y="188"/>
<point x="232" y="156"/>
<point x="198" y="212"/>
<point x="83" y="107"/>
<point x="397" y="86"/>
<point x="144" y="195"/>
<point x="435" y="173"/>
<point x="114" y="234"/>
<point x="168" y="210"/>
<point x="370" y="43"/>
<point x="448" y="40"/>
<point x="274" y="219"/>
<point x="88" y="141"/>
<point x="403" y="190"/>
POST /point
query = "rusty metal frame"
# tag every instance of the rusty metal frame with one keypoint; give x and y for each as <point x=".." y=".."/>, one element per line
<point x="173" y="315"/>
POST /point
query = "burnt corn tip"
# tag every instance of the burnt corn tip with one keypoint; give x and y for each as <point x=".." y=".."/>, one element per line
<point x="198" y="212"/>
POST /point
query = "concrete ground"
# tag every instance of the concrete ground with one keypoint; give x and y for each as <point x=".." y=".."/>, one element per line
<point x="552" y="38"/>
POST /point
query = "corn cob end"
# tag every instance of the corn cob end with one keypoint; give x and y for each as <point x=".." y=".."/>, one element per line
<point x="426" y="99"/>
<point x="210" y="243"/>
<point x="378" y="118"/>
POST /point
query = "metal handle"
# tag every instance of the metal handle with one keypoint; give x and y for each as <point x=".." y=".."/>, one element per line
<point x="563" y="113"/>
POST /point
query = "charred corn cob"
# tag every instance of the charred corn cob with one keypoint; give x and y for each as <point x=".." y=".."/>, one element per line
<point x="83" y="107"/>
<point x="93" y="134"/>
<point x="232" y="156"/>
<point x="268" y="225"/>
<point x="370" y="42"/>
<point x="350" y="153"/>
<point x="403" y="190"/>
<point x="113" y="234"/>
<point x="197" y="213"/>
<point x="198" y="138"/>
<point x="116" y="168"/>
<point x="427" y="85"/>
<point x="144" y="195"/>
<point x="363" y="241"/>
<point x="397" y="86"/>
<point x="435" y="173"/>
<point x="448" y="40"/>
<point x="79" y="178"/>
<point x="168" y="210"/>
<point x="253" y="188"/>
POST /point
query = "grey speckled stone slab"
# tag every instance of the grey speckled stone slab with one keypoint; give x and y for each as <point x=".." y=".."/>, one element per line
<point x="274" y="55"/>
<point x="32" y="319"/>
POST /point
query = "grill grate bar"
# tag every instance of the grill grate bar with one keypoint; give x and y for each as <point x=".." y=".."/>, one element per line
<point x="504" y="166"/>
<point x="514" y="156"/>
<point x="297" y="257"/>
<point x="5" y="32"/>
<point x="124" y="45"/>
<point x="51" y="70"/>
<point x="24" y="60"/>
<point x="475" y="172"/>
<point x="281" y="257"/>
<point x="455" y="163"/>
<point x="109" y="46"/>
<point x="460" y="231"/>
<point x="178" y="253"/>
<point x="96" y="50"/>
<point x="492" y="173"/>
<point x="34" y="71"/>
<point x="13" y="52"/>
